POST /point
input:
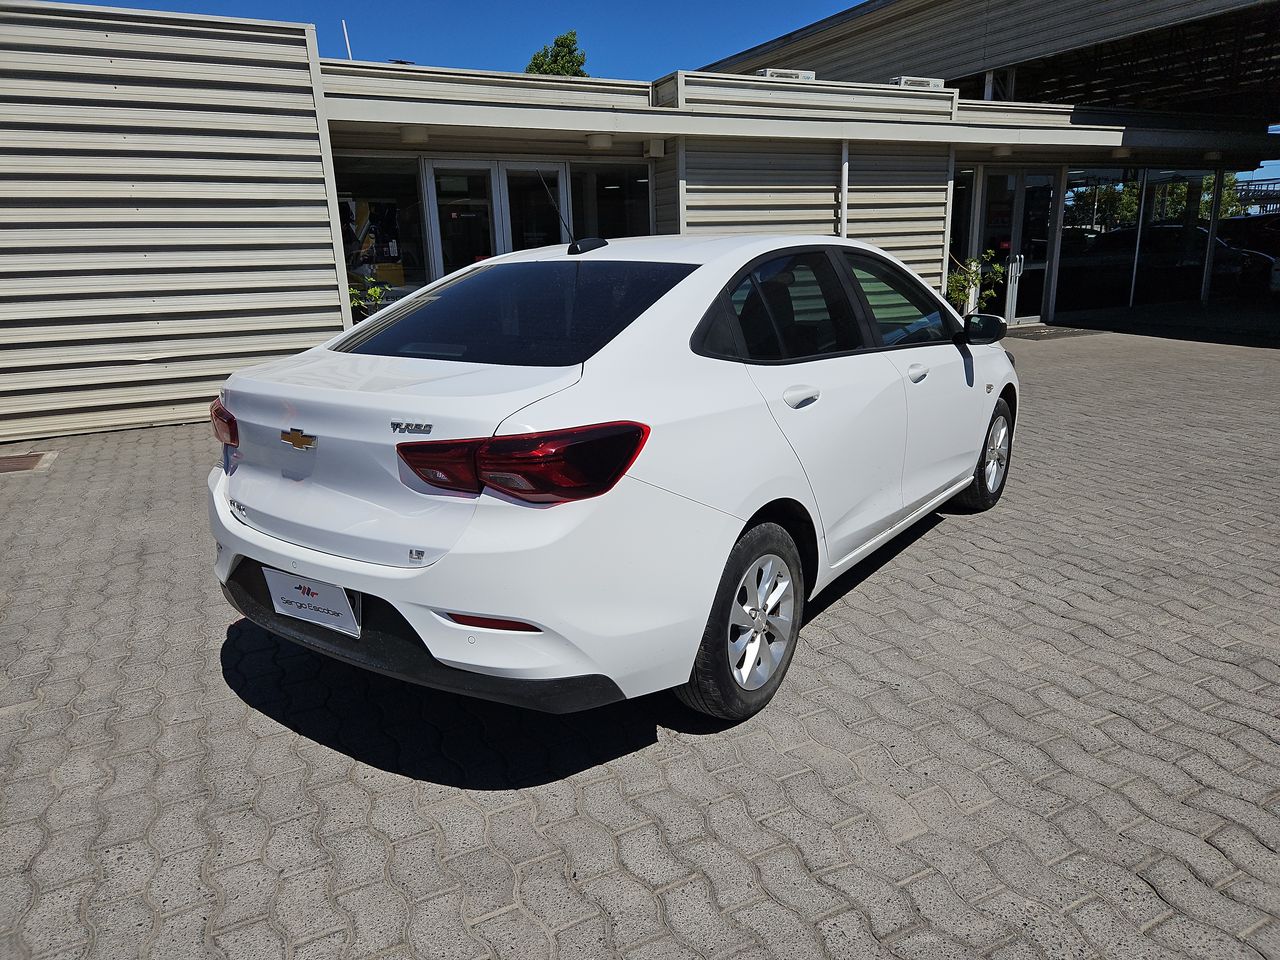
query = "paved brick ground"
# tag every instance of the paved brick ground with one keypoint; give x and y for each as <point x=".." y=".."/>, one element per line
<point x="1050" y="730"/>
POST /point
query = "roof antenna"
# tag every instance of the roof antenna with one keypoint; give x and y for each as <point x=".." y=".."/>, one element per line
<point x="347" y="37"/>
<point x="575" y="247"/>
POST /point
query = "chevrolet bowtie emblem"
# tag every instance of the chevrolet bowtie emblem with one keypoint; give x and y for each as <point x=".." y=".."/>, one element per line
<point x="297" y="439"/>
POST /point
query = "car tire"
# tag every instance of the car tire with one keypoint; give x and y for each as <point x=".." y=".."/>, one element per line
<point x="992" y="472"/>
<point x="744" y="654"/>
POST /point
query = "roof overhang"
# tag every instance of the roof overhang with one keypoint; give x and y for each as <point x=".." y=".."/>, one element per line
<point x="716" y="105"/>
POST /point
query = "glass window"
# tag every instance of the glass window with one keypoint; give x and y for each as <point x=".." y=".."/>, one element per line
<point x="961" y="215"/>
<point x="1099" y="239"/>
<point x="1175" y="238"/>
<point x="380" y="217"/>
<point x="544" y="314"/>
<point x="610" y="200"/>
<point x="903" y="311"/>
<point x="793" y="307"/>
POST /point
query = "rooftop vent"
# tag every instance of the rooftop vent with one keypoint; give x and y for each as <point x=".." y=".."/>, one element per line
<point x="778" y="73"/>
<point x="918" y="83"/>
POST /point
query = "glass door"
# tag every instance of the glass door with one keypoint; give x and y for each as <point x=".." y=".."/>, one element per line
<point x="1031" y="241"/>
<point x="531" y="193"/>
<point x="479" y="208"/>
<point x="1017" y="223"/>
<point x="462" y="213"/>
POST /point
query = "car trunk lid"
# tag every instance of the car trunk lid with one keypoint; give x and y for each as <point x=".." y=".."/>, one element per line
<point x="317" y="465"/>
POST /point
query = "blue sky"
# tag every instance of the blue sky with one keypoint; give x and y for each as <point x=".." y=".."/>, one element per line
<point x="622" y="40"/>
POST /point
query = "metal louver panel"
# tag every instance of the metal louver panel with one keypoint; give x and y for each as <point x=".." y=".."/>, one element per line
<point x="166" y="212"/>
<point x="898" y="200"/>
<point x="738" y="186"/>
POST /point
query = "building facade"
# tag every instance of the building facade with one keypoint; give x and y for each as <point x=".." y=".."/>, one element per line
<point x="187" y="195"/>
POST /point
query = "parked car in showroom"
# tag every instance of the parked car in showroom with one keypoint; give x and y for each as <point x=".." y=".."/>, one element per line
<point x="1259" y="231"/>
<point x="564" y="477"/>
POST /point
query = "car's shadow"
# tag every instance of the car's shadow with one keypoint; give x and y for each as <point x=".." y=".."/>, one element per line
<point x="432" y="735"/>
<point x="458" y="741"/>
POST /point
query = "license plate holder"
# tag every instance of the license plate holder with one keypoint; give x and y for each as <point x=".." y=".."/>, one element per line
<point x="314" y="601"/>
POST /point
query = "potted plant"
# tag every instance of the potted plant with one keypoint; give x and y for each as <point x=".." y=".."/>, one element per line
<point x="368" y="296"/>
<point x="972" y="283"/>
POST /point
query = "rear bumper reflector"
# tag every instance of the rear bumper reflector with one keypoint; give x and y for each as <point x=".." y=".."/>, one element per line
<point x="492" y="623"/>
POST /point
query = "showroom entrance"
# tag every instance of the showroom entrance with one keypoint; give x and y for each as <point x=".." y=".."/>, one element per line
<point x="479" y="209"/>
<point x="1089" y="239"/>
<point x="409" y="219"/>
<point x="1014" y="212"/>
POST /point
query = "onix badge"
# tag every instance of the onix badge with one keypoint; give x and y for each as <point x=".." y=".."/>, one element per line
<point x="297" y="439"/>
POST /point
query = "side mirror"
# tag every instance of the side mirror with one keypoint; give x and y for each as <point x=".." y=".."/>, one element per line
<point x="982" y="328"/>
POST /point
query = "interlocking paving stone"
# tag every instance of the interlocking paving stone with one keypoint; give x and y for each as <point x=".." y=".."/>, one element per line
<point x="1045" y="731"/>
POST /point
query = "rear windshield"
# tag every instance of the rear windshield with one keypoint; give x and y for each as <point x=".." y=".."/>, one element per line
<point x="544" y="314"/>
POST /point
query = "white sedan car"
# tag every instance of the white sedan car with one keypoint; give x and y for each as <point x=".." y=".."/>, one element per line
<point x="560" y="478"/>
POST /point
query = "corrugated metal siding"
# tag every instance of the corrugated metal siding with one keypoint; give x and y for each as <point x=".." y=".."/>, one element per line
<point x="898" y="200"/>
<point x="957" y="38"/>
<point x="345" y="81"/>
<point x="666" y="189"/>
<point x="736" y="186"/>
<point x="164" y="209"/>
<point x="775" y="97"/>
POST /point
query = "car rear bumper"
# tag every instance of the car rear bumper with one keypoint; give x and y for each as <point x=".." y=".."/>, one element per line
<point x="388" y="645"/>
<point x="618" y="588"/>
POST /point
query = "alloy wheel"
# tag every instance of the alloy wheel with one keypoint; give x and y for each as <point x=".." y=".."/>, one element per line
<point x="761" y="621"/>
<point x="996" y="459"/>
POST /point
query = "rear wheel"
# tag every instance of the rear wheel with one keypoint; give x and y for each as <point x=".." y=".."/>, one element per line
<point x="993" y="462"/>
<point x="753" y="629"/>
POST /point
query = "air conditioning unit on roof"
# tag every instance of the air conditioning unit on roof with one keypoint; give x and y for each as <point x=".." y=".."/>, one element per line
<point x="918" y="83"/>
<point x="778" y="73"/>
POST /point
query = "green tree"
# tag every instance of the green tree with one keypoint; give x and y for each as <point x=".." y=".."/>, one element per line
<point x="1231" y="205"/>
<point x="562" y="58"/>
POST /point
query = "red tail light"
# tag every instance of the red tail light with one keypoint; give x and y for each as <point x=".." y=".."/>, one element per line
<point x="549" y="467"/>
<point x="224" y="424"/>
<point x="448" y="464"/>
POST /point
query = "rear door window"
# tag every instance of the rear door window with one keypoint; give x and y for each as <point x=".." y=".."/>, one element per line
<point x="549" y="313"/>
<point x="793" y="307"/>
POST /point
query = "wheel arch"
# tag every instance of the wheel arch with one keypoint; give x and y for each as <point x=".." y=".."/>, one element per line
<point x="795" y="518"/>
<point x="1010" y="396"/>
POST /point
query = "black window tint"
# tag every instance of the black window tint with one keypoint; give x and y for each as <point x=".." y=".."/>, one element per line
<point x="759" y="335"/>
<point x="793" y="307"/>
<point x="544" y="314"/>
<point x="904" y="313"/>
<point x="717" y="336"/>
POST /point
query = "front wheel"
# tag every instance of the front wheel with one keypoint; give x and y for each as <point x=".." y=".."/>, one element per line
<point x="753" y="629"/>
<point x="993" y="462"/>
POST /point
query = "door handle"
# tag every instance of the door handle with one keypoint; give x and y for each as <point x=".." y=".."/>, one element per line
<point x="800" y="396"/>
<point x="917" y="372"/>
